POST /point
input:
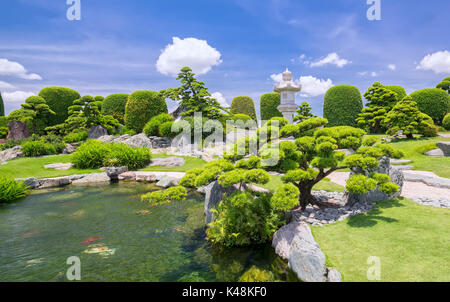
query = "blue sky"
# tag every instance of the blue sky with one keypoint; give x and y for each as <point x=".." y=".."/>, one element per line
<point x="239" y="45"/>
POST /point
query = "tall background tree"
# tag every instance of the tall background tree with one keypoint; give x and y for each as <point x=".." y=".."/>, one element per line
<point x="59" y="99"/>
<point x="380" y="102"/>
<point x="243" y="105"/>
<point x="303" y="113"/>
<point x="268" y="106"/>
<point x="193" y="96"/>
<point x="2" y="106"/>
<point x="433" y="101"/>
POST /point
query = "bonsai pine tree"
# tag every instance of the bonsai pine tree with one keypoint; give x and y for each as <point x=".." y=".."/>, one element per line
<point x="381" y="100"/>
<point x="303" y="113"/>
<point x="193" y="96"/>
<point x="36" y="110"/>
<point x="444" y="84"/>
<point x="315" y="155"/>
<point x="406" y="116"/>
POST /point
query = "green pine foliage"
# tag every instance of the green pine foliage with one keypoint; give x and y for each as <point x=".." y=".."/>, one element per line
<point x="2" y="106"/>
<point x="37" y="112"/>
<point x="380" y="102"/>
<point x="399" y="90"/>
<point x="59" y="99"/>
<point x="303" y="113"/>
<point x="194" y="96"/>
<point x="446" y="122"/>
<point x="444" y="85"/>
<point x="433" y="102"/>
<point x="173" y="194"/>
<point x="342" y="104"/>
<point x="114" y="105"/>
<point x="269" y="104"/>
<point x="406" y="116"/>
<point x="141" y="106"/>
<point x="243" y="105"/>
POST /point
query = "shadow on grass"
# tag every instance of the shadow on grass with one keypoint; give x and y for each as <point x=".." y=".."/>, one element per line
<point x="371" y="219"/>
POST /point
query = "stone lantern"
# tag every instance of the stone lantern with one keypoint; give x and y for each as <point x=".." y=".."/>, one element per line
<point x="287" y="89"/>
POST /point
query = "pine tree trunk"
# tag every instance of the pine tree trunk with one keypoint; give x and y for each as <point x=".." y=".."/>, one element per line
<point x="306" y="196"/>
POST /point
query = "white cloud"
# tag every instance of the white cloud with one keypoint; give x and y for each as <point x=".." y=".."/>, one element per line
<point x="220" y="98"/>
<point x="373" y="74"/>
<point x="332" y="58"/>
<point x="4" y="85"/>
<point x="10" y="68"/>
<point x="392" y="67"/>
<point x="191" y="52"/>
<point x="312" y="86"/>
<point x="277" y="77"/>
<point x="439" y="62"/>
<point x="16" y="96"/>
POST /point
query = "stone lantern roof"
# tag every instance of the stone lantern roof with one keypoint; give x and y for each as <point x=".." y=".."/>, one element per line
<point x="287" y="84"/>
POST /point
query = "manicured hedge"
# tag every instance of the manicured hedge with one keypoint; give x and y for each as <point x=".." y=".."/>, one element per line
<point x="141" y="106"/>
<point x="152" y="127"/>
<point x="342" y="105"/>
<point x="59" y="99"/>
<point x="446" y="122"/>
<point x="2" y="106"/>
<point x="434" y="102"/>
<point x="243" y="105"/>
<point x="399" y="90"/>
<point x="269" y="103"/>
<point x="114" y="105"/>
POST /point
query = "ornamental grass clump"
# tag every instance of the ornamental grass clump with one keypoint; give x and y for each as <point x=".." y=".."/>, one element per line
<point x="11" y="190"/>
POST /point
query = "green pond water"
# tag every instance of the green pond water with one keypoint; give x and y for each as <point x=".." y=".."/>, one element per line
<point x="119" y="238"/>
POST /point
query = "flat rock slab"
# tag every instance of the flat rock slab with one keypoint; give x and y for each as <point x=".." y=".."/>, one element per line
<point x="92" y="178"/>
<point x="399" y="161"/>
<point x="403" y="167"/>
<point x="59" y="166"/>
<point x="435" y="153"/>
<point x="438" y="182"/>
<point x="168" y="162"/>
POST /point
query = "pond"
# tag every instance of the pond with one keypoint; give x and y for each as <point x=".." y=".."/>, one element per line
<point x="119" y="238"/>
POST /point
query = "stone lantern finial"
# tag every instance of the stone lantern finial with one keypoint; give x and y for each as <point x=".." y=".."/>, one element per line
<point x="287" y="89"/>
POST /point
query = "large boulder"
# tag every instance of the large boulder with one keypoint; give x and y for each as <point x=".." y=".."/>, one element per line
<point x="69" y="149"/>
<point x="213" y="196"/>
<point x="384" y="167"/>
<point x="17" y="130"/>
<point x="445" y="147"/>
<point x="282" y="239"/>
<point x="114" y="172"/>
<point x="306" y="259"/>
<point x="160" y="142"/>
<point x="140" y="140"/>
<point x="97" y="131"/>
<point x="10" y="154"/>
<point x="168" y="181"/>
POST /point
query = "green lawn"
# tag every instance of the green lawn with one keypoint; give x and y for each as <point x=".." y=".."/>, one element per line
<point x="326" y="185"/>
<point x="411" y="240"/>
<point x="413" y="151"/>
<point x="34" y="166"/>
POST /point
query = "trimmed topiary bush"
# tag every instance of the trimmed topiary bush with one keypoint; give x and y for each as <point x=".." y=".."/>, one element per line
<point x="268" y="104"/>
<point x="399" y="90"/>
<point x="59" y="99"/>
<point x="2" y="106"/>
<point x="152" y="127"/>
<point x="342" y="105"/>
<point x="114" y="105"/>
<point x="165" y="130"/>
<point x="141" y="106"/>
<point x="243" y="105"/>
<point x="434" y="102"/>
<point x="446" y="122"/>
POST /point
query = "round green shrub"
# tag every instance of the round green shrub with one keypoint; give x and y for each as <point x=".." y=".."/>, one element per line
<point x="241" y="117"/>
<point x="4" y="132"/>
<point x="114" y="105"/>
<point x="151" y="128"/>
<point x="2" y="106"/>
<point x="59" y="99"/>
<point x="342" y="105"/>
<point x="433" y="101"/>
<point x="90" y="155"/>
<point x="141" y="106"/>
<point x="165" y="130"/>
<point x="446" y="122"/>
<point x="399" y="90"/>
<point x="11" y="189"/>
<point x="269" y="103"/>
<point x="38" y="148"/>
<point x="76" y="136"/>
<point x="243" y="105"/>
<point x="3" y="121"/>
